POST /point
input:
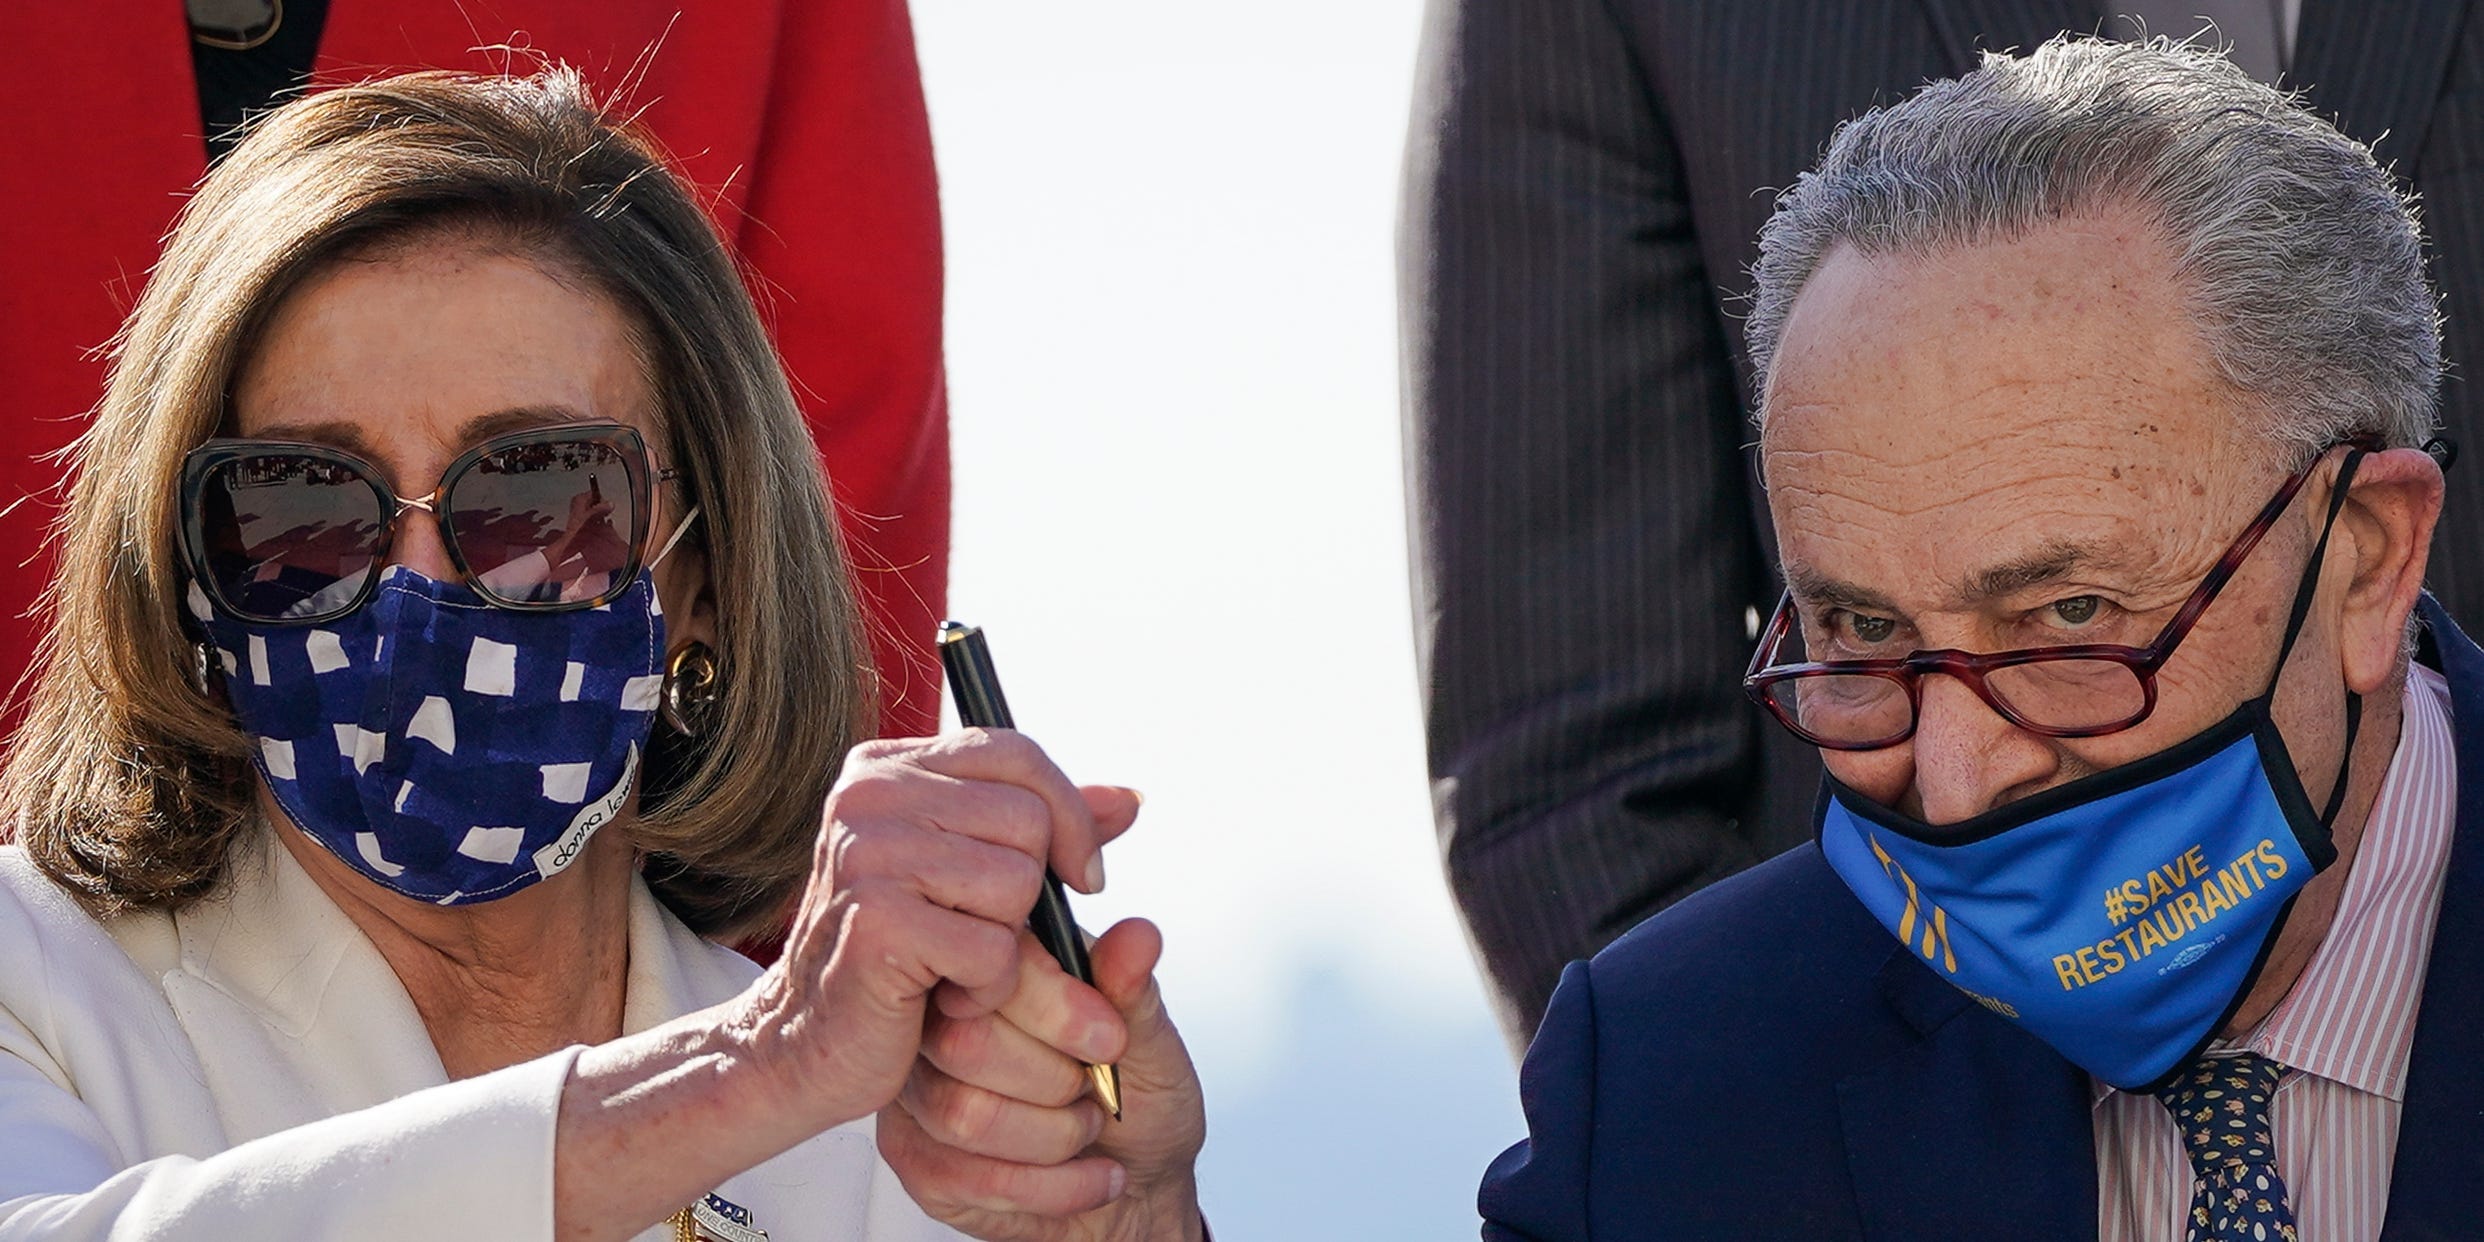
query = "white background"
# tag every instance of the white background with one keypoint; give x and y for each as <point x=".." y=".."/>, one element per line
<point x="1179" y="514"/>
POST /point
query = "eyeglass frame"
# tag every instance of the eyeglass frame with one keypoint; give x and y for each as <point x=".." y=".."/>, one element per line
<point x="1970" y="668"/>
<point x="637" y="463"/>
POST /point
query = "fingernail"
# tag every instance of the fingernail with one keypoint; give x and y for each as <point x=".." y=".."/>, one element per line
<point x="1136" y="796"/>
<point x="1116" y="1181"/>
<point x="1095" y="873"/>
<point x="1095" y="1044"/>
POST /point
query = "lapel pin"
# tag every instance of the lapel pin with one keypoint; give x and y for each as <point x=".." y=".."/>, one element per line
<point x="726" y="1221"/>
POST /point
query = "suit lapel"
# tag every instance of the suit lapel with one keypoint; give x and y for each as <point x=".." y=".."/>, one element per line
<point x="672" y="971"/>
<point x="1968" y="27"/>
<point x="297" y="1017"/>
<point x="2375" y="69"/>
<point x="1972" y="1129"/>
<point x="294" y="1014"/>
<point x="2440" y="1157"/>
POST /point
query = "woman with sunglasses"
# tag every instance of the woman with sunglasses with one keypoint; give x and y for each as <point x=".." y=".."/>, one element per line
<point x="451" y="645"/>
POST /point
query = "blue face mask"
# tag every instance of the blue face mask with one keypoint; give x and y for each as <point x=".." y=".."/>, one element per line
<point x="2122" y="917"/>
<point x="449" y="750"/>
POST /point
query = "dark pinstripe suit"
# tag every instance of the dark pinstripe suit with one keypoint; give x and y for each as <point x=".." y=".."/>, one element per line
<point x="1586" y="180"/>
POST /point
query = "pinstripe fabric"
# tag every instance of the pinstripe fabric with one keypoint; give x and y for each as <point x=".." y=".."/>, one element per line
<point x="1549" y="205"/>
<point x="2344" y="1030"/>
<point x="1585" y="181"/>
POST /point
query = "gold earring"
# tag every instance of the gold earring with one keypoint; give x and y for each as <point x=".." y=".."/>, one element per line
<point x="690" y="689"/>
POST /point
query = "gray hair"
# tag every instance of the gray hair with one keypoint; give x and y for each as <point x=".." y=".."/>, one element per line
<point x="2302" y="259"/>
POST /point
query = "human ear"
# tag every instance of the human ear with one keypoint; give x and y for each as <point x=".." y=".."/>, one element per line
<point x="687" y="594"/>
<point x="2387" y="522"/>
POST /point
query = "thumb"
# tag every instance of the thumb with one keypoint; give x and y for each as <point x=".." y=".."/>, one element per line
<point x="1124" y="961"/>
<point x="1167" y="1121"/>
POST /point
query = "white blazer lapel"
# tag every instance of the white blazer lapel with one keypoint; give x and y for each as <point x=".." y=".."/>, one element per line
<point x="295" y="1015"/>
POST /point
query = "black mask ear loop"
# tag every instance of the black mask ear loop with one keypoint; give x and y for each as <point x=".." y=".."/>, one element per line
<point x="2303" y="593"/>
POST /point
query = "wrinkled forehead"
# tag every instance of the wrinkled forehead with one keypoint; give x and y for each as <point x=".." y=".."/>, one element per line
<point x="1979" y="516"/>
<point x="419" y="350"/>
<point x="1939" y="423"/>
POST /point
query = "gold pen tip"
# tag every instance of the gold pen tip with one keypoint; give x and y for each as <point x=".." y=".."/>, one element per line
<point x="1107" y="1083"/>
<point x="955" y="631"/>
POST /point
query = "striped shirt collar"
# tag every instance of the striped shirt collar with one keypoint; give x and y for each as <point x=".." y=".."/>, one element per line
<point x="2350" y="1018"/>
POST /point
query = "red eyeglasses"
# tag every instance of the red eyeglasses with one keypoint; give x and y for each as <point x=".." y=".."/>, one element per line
<point x="2086" y="690"/>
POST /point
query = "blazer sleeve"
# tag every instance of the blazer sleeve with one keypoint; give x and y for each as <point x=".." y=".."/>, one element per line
<point x="1580" y="514"/>
<point x="1537" y="1190"/>
<point x="468" y="1159"/>
<point x="841" y="229"/>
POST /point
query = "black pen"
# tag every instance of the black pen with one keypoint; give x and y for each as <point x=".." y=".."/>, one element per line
<point x="979" y="705"/>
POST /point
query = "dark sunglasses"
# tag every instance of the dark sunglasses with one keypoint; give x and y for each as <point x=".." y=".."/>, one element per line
<point x="545" y="520"/>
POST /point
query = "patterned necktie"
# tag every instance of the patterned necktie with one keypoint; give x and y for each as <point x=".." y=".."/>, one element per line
<point x="2220" y="1104"/>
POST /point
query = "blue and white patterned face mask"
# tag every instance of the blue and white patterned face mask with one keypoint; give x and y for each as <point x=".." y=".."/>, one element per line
<point x="449" y="750"/>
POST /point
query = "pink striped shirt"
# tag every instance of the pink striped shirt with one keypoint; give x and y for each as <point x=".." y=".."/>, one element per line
<point x="2343" y="1031"/>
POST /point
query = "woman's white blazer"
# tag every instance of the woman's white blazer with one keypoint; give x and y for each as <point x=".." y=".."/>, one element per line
<point x="251" y="1068"/>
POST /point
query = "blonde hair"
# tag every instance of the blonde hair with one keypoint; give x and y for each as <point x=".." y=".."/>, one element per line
<point x="129" y="788"/>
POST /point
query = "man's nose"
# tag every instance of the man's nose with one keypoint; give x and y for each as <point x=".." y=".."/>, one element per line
<point x="418" y="545"/>
<point x="1967" y="756"/>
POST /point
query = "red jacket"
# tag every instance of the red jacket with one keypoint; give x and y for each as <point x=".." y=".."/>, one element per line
<point x="801" y="120"/>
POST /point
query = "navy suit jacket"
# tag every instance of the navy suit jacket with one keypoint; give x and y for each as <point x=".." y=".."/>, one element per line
<point x="1762" y="1061"/>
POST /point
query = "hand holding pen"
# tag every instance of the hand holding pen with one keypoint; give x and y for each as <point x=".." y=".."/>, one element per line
<point x="993" y="1132"/>
<point x="981" y="705"/>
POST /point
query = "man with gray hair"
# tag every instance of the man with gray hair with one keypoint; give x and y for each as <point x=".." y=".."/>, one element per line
<point x="1583" y="194"/>
<point x="2144" y="898"/>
